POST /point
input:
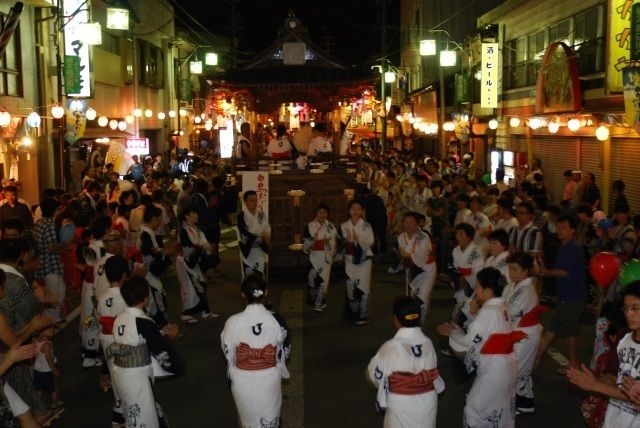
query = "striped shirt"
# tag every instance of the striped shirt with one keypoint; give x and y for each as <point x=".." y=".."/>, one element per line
<point x="527" y="239"/>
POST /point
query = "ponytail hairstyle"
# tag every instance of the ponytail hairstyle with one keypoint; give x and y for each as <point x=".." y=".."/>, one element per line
<point x="254" y="288"/>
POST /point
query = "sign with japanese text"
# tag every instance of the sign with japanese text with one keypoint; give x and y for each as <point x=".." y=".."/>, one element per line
<point x="71" y="72"/>
<point x="619" y="40"/>
<point x="258" y="181"/>
<point x="226" y="139"/>
<point x="489" y="76"/>
<point x="462" y="88"/>
<point x="631" y="77"/>
<point x="76" y="12"/>
<point x="137" y="146"/>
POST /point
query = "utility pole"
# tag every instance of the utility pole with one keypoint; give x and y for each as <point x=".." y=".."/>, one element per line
<point x="234" y="29"/>
<point x="383" y="49"/>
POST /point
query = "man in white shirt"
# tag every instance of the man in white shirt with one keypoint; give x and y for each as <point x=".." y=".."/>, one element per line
<point x="320" y="144"/>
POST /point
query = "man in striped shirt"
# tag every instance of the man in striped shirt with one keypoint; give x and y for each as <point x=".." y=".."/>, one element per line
<point x="526" y="237"/>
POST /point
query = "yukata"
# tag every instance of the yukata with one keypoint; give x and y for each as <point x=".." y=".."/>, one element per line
<point x="405" y="372"/>
<point x="420" y="267"/>
<point x="192" y="288"/>
<point x="156" y="263"/>
<point x="110" y="305"/>
<point x="253" y="252"/>
<point x="488" y="344"/>
<point x="320" y="244"/>
<point x="359" y="239"/>
<point x="499" y="262"/>
<point x="89" y="328"/>
<point x="622" y="414"/>
<point x="481" y="223"/>
<point x="255" y="344"/>
<point x="521" y="300"/>
<point x="467" y="264"/>
<point x="19" y="306"/>
<point x="139" y="353"/>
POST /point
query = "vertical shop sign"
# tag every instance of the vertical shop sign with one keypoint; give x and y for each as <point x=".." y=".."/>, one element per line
<point x="77" y="12"/>
<point x="259" y="182"/>
<point x="619" y="40"/>
<point x="489" y="76"/>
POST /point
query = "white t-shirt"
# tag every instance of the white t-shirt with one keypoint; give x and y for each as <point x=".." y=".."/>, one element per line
<point x="622" y="414"/>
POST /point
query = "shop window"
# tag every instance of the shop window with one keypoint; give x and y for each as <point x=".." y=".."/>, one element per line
<point x="11" y="64"/>
<point x="151" y="72"/>
<point x="588" y="41"/>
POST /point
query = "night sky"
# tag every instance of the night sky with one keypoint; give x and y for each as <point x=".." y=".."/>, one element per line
<point x="350" y="29"/>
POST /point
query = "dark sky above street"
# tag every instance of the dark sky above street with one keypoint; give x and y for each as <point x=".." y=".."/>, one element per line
<point x="349" y="29"/>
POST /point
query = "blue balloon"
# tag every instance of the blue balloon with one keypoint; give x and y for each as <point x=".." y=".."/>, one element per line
<point x="605" y="224"/>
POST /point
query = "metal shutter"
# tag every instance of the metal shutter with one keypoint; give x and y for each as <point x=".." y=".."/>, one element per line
<point x="625" y="157"/>
<point x="591" y="158"/>
<point x="557" y="155"/>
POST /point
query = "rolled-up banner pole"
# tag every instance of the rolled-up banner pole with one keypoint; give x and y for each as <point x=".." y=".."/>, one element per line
<point x="10" y="26"/>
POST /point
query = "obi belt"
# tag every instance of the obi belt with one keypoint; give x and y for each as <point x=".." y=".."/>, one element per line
<point x="532" y="317"/>
<point x="404" y="383"/>
<point x="248" y="358"/>
<point x="107" y="324"/>
<point x="501" y="343"/>
<point x="129" y="356"/>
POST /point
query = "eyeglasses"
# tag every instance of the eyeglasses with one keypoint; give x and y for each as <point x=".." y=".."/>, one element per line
<point x="632" y="309"/>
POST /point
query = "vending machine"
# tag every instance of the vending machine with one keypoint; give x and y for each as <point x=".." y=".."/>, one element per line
<point x="510" y="161"/>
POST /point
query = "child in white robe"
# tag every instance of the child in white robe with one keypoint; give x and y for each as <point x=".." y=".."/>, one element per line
<point x="140" y="353"/>
<point x="467" y="262"/>
<point x="404" y="370"/>
<point x="254" y="236"/>
<point x="521" y="299"/>
<point x="255" y="344"/>
<point x="488" y="349"/>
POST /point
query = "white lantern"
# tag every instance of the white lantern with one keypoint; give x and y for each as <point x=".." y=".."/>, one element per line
<point x="389" y="77"/>
<point x="208" y="126"/>
<point x="76" y="106"/>
<point x="553" y="127"/>
<point x="5" y="119"/>
<point x="161" y="115"/>
<point x="26" y="141"/>
<point x="535" y="123"/>
<point x="183" y="112"/>
<point x="195" y="67"/>
<point x="514" y="122"/>
<point x="148" y="113"/>
<point x="573" y="125"/>
<point x="90" y="114"/>
<point x="602" y="133"/>
<point x="33" y="120"/>
<point x="137" y="112"/>
<point x="57" y="111"/>
<point x="117" y="18"/>
<point x="91" y="32"/>
<point x="197" y="119"/>
<point x="427" y="47"/>
<point x="113" y="124"/>
<point x="172" y="113"/>
<point x="129" y="119"/>
<point x="211" y="58"/>
<point x="449" y="126"/>
<point x="493" y="124"/>
<point x="448" y="58"/>
<point x="103" y="121"/>
<point x="122" y="125"/>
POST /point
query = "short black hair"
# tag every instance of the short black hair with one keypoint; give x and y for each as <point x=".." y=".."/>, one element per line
<point x="48" y="206"/>
<point x="467" y="229"/>
<point x="632" y="289"/>
<point x="407" y="311"/>
<point x="134" y="290"/>
<point x="437" y="183"/>
<point x="151" y="212"/>
<point x="491" y="277"/>
<point x="115" y="268"/>
<point x="247" y="194"/>
<point x="15" y="223"/>
<point x="322" y="206"/>
<point x="584" y="209"/>
<point x="501" y="236"/>
<point x="528" y="206"/>
<point x="12" y="249"/>
<point x="569" y="219"/>
<point x="101" y="224"/>
<point x="522" y="259"/>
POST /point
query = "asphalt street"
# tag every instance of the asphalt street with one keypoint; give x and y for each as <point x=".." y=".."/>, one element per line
<point x="328" y="387"/>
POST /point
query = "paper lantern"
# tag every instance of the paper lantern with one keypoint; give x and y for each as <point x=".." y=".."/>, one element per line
<point x="113" y="124"/>
<point x="427" y="47"/>
<point x="602" y="133"/>
<point x="103" y="120"/>
<point x="90" y="114"/>
<point x="57" y="111"/>
<point x="493" y="124"/>
<point x="553" y="127"/>
<point x="573" y="125"/>
<point x="448" y="58"/>
<point x="514" y="122"/>
<point x="33" y="120"/>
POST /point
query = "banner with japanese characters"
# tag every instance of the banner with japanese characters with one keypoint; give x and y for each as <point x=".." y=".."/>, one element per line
<point x="489" y="75"/>
<point x="258" y="181"/>
<point x="77" y="67"/>
<point x="619" y="40"/>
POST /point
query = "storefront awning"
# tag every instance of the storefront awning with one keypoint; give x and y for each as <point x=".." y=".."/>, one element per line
<point x="93" y="133"/>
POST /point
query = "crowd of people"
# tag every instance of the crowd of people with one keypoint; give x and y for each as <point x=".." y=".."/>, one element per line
<point x="503" y="250"/>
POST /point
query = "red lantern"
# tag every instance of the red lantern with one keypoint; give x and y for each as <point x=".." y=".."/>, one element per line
<point x="604" y="268"/>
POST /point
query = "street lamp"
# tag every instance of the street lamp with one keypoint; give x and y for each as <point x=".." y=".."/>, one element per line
<point x="117" y="16"/>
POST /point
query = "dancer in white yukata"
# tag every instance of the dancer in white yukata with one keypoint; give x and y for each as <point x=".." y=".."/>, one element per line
<point x="89" y="328"/>
<point x="140" y="353"/>
<point x="488" y="349"/>
<point x="358" y="238"/>
<point x="623" y="390"/>
<point x="521" y="299"/>
<point x="193" y="246"/>
<point x="467" y="262"/>
<point x="255" y="344"/>
<point x="414" y="247"/>
<point x="320" y="243"/>
<point x="254" y="236"/>
<point x="156" y="260"/>
<point x="498" y="252"/>
<point x="110" y="305"/>
<point x="405" y="372"/>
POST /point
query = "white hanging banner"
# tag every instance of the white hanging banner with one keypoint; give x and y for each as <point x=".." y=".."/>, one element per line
<point x="258" y="181"/>
<point x="490" y="71"/>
